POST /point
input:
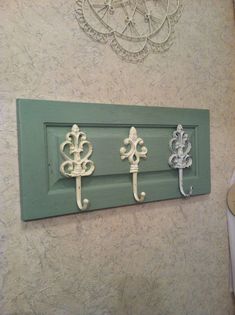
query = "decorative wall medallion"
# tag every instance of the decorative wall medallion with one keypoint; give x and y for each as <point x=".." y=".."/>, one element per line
<point x="133" y="28"/>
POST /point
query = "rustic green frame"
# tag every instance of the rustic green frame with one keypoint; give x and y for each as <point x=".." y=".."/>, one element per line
<point x="42" y="125"/>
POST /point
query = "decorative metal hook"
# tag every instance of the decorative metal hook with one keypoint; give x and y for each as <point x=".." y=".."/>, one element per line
<point x="134" y="157"/>
<point x="180" y="159"/>
<point x="77" y="164"/>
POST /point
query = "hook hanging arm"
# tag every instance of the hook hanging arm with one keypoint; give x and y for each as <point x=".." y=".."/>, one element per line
<point x="180" y="158"/>
<point x="135" y="189"/>
<point x="181" y="185"/>
<point x="134" y="155"/>
<point x="76" y="165"/>
<point x="85" y="202"/>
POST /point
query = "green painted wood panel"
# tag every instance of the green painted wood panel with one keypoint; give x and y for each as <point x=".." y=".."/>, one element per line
<point x="42" y="126"/>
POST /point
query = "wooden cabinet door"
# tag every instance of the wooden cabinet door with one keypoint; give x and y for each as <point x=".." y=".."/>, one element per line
<point x="42" y="126"/>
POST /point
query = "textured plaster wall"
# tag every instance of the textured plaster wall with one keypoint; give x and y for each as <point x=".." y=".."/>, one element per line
<point x="164" y="258"/>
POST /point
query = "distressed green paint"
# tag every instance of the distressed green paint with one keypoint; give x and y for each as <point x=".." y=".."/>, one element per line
<point x="42" y="126"/>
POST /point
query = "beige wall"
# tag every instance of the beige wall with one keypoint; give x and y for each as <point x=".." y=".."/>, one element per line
<point x="164" y="258"/>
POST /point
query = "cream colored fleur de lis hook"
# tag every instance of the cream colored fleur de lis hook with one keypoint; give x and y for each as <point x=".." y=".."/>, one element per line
<point x="77" y="163"/>
<point x="180" y="159"/>
<point x="134" y="157"/>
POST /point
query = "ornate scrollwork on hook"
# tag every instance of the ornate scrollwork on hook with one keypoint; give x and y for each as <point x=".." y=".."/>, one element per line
<point x="77" y="164"/>
<point x="133" y="155"/>
<point x="180" y="159"/>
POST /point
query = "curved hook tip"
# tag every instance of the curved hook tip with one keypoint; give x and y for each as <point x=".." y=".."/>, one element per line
<point x="141" y="197"/>
<point x="85" y="204"/>
<point x="181" y="186"/>
<point x="190" y="190"/>
<point x="186" y="194"/>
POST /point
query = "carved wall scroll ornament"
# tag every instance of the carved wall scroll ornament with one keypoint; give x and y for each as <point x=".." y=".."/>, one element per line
<point x="180" y="159"/>
<point x="77" y="164"/>
<point x="133" y="28"/>
<point x="133" y="156"/>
